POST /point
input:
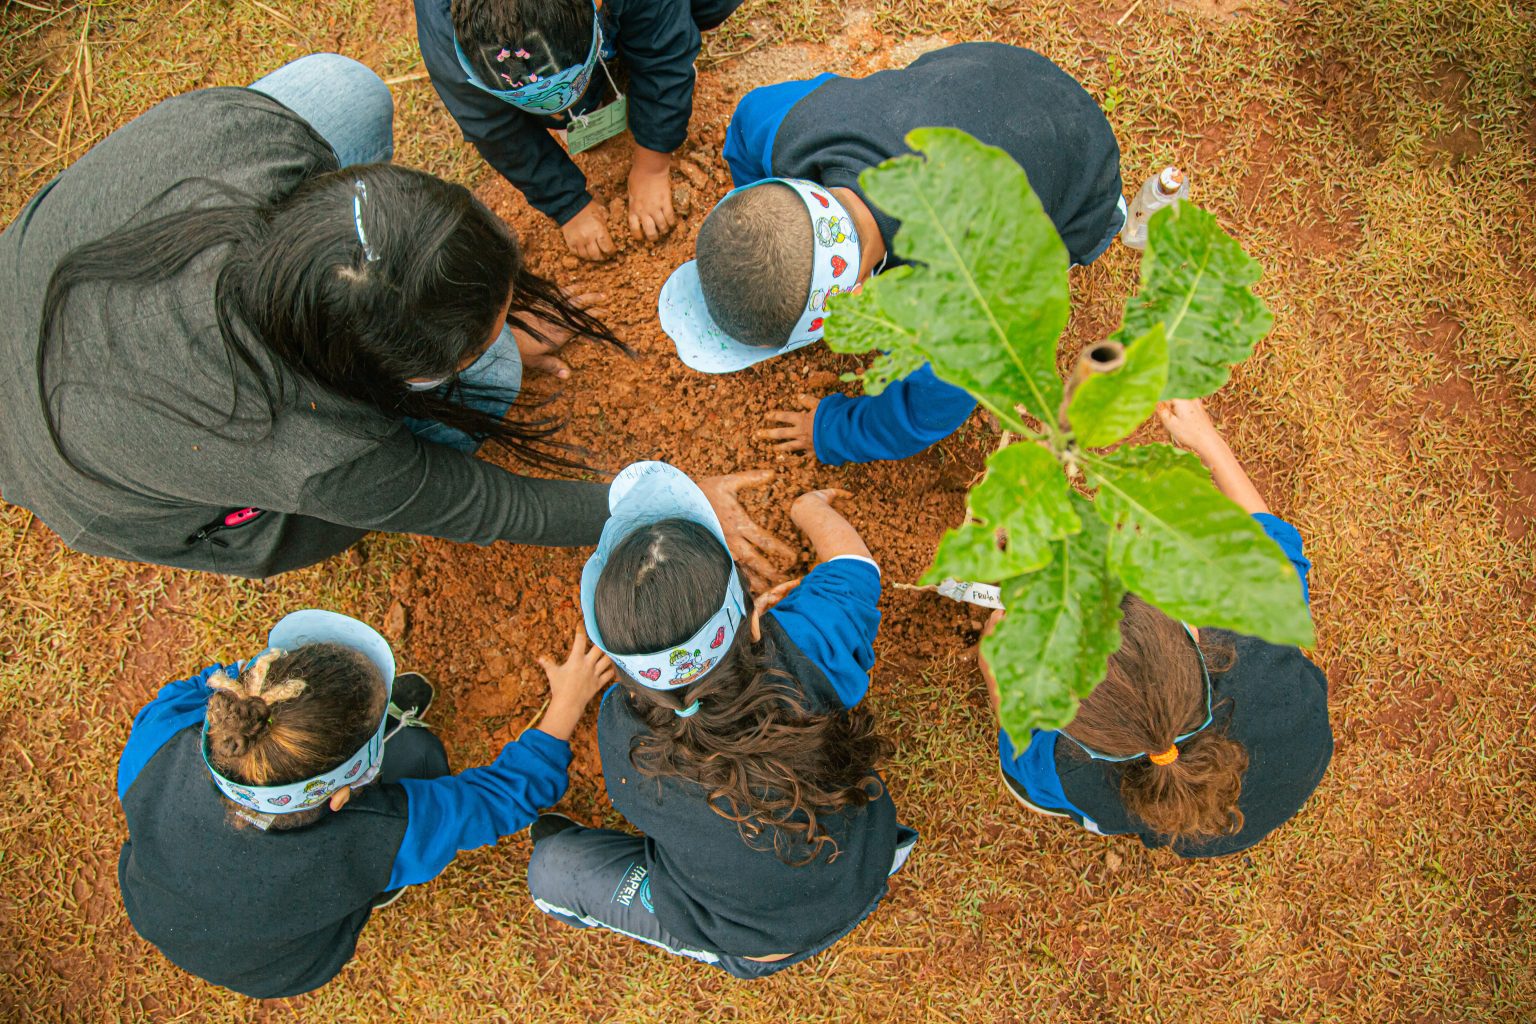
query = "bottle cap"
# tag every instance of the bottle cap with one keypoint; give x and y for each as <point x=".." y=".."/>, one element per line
<point x="1170" y="180"/>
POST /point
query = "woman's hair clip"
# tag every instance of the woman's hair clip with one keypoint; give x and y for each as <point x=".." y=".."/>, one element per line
<point x="359" y="197"/>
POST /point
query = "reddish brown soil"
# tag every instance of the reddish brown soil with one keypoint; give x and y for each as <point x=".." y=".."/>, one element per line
<point x="493" y="610"/>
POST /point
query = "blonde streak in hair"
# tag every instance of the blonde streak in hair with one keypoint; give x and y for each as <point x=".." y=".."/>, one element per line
<point x="537" y="42"/>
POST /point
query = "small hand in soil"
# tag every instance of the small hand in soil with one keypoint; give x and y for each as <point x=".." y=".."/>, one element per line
<point x="572" y="685"/>
<point x="587" y="233"/>
<point x="539" y="352"/>
<point x="1188" y="423"/>
<point x="795" y="434"/>
<point x="750" y="544"/>
<point x="650" y="194"/>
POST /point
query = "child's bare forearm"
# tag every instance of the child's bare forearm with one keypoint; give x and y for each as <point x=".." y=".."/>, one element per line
<point x="829" y="533"/>
<point x="1229" y="475"/>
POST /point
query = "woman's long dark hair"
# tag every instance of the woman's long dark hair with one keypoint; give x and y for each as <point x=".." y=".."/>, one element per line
<point x="768" y="762"/>
<point x="297" y="285"/>
<point x="1153" y="692"/>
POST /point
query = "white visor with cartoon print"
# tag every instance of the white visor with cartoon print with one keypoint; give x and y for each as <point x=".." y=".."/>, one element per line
<point x="704" y="346"/>
<point x="642" y="494"/>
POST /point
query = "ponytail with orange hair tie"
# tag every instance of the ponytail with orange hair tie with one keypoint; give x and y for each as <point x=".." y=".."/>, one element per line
<point x="1167" y="757"/>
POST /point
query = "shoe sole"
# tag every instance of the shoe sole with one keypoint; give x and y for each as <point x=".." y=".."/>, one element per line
<point x="1025" y="803"/>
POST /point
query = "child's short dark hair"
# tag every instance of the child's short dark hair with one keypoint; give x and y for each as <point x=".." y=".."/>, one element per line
<point x="754" y="259"/>
<point x="556" y="33"/>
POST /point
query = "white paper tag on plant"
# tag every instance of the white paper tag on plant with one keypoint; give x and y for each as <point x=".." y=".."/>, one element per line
<point x="984" y="594"/>
<point x="599" y="126"/>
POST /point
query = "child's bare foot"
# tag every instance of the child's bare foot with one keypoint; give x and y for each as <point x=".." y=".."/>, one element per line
<point x="796" y="433"/>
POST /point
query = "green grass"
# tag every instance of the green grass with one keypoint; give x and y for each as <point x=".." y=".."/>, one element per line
<point x="1391" y="414"/>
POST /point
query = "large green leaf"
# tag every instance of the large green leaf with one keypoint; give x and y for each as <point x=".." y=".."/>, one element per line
<point x="1108" y="406"/>
<point x="1180" y="544"/>
<point x="1019" y="508"/>
<point x="859" y="324"/>
<point x="1195" y="281"/>
<point x="1063" y="623"/>
<point x="987" y="297"/>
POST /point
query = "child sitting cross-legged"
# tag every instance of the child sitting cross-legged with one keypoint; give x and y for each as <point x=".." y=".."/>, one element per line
<point x="733" y="741"/>
<point x="273" y="805"/>
<point x="798" y="229"/>
<point x="1199" y="739"/>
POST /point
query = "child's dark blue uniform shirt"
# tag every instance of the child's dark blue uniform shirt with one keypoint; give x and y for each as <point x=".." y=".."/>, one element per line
<point x="1272" y="700"/>
<point x="657" y="40"/>
<point x="828" y="129"/>
<point x="709" y="888"/>
<point x="273" y="914"/>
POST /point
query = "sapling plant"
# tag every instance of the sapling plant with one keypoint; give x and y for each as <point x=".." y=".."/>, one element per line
<point x="1067" y="518"/>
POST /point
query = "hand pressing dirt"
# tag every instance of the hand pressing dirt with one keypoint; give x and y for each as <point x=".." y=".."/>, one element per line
<point x="796" y="433"/>
<point x="587" y="234"/>
<point x="751" y="545"/>
<point x="650" y="196"/>
<point x="539" y="352"/>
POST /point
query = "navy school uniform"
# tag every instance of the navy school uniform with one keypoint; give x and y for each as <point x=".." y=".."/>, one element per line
<point x="657" y="42"/>
<point x="690" y="884"/>
<point x="828" y="129"/>
<point x="1273" y="700"/>
<point x="273" y="914"/>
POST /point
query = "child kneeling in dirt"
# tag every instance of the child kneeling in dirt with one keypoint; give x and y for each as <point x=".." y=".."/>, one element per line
<point x="257" y="848"/>
<point x="798" y="229"/>
<point x="509" y="71"/>
<point x="1199" y="739"/>
<point x="733" y="742"/>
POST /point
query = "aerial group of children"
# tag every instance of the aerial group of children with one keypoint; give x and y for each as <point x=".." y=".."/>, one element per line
<point x="732" y="732"/>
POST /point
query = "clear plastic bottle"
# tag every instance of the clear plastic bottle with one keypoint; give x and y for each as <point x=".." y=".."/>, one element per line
<point x="1164" y="188"/>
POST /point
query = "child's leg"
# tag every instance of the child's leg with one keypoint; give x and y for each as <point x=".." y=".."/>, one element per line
<point x="413" y="753"/>
<point x="346" y="103"/>
<point x="490" y="384"/>
<point x="1116" y="222"/>
<point x="596" y="878"/>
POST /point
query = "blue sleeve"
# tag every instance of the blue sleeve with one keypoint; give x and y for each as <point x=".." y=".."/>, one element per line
<point x="478" y="806"/>
<point x="755" y="124"/>
<point x="517" y="144"/>
<point x="833" y="616"/>
<point x="1035" y="770"/>
<point x="176" y="706"/>
<point x="908" y="416"/>
<point x="1289" y="539"/>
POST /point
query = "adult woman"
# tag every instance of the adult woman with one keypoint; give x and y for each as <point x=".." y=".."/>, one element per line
<point x="240" y="340"/>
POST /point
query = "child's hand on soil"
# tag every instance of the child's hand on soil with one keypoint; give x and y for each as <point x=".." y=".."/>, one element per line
<point x="587" y="233"/>
<point x="796" y="433"/>
<point x="1188" y="424"/>
<point x="572" y="685"/>
<point x="750" y="544"/>
<point x="539" y="354"/>
<point x="650" y="194"/>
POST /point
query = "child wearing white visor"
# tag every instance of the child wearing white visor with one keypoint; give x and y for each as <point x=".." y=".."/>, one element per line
<point x="733" y="741"/>
<point x="273" y="804"/>
<point x="798" y="230"/>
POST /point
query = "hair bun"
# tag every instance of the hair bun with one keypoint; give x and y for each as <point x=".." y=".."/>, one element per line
<point x="235" y="723"/>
